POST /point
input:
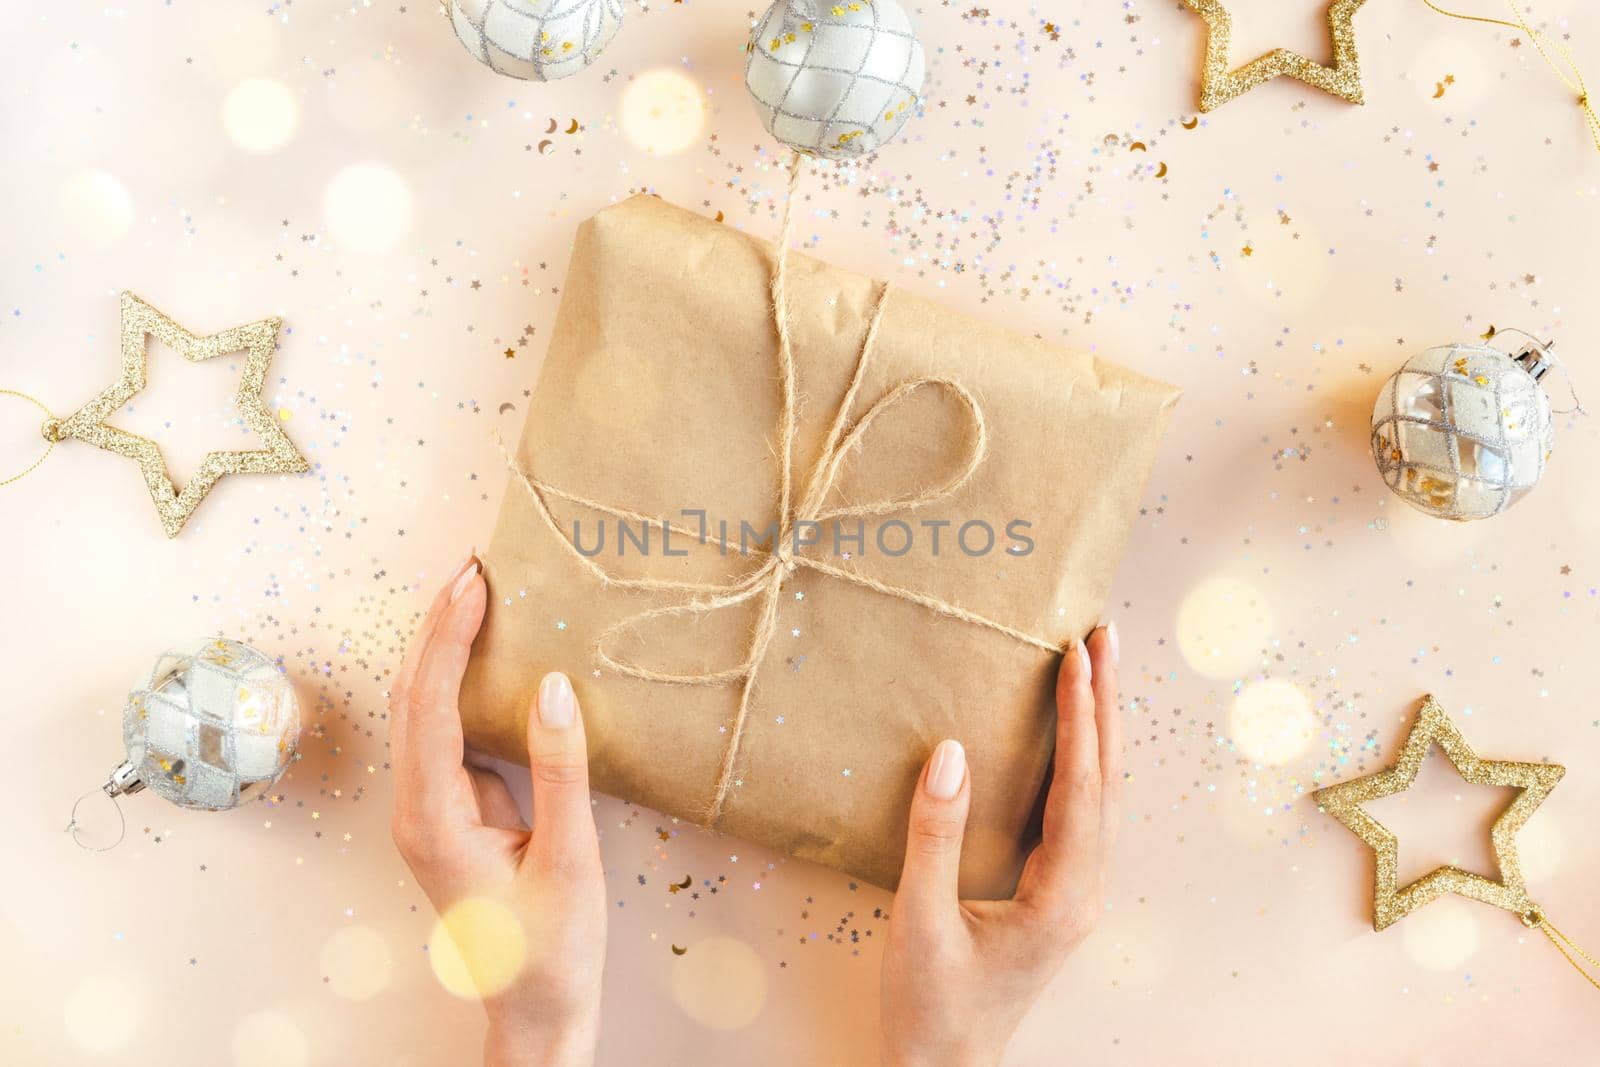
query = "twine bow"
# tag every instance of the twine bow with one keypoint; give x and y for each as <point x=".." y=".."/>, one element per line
<point x="795" y="511"/>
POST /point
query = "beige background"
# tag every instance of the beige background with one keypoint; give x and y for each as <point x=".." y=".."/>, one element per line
<point x="392" y="201"/>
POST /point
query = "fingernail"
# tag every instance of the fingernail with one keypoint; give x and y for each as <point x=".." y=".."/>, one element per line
<point x="465" y="579"/>
<point x="557" y="707"/>
<point x="1083" y="660"/>
<point x="947" y="771"/>
<point x="1116" y="645"/>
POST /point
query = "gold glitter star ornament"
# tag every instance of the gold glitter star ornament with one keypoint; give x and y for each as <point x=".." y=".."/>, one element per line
<point x="1219" y="83"/>
<point x="1390" y="903"/>
<point x="140" y="321"/>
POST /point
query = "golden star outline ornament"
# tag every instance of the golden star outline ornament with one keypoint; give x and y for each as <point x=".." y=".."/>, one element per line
<point x="1390" y="903"/>
<point x="140" y="321"/>
<point x="1219" y="84"/>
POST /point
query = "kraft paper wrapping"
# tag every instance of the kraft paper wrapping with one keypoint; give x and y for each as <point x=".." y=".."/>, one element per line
<point x="661" y="393"/>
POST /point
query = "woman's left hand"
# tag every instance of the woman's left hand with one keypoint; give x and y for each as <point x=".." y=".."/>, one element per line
<point x="459" y="830"/>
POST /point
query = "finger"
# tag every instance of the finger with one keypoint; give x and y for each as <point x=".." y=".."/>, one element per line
<point x="929" y="882"/>
<point x="1103" y="655"/>
<point x="1069" y="853"/>
<point x="434" y="745"/>
<point x="399" y="691"/>
<point x="563" y="822"/>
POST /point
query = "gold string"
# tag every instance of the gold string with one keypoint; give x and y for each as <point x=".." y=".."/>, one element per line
<point x="1566" y="946"/>
<point x="766" y="581"/>
<point x="1543" y="43"/>
<point x="50" y="434"/>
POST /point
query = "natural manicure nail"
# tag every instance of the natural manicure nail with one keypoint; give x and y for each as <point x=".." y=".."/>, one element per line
<point x="947" y="771"/>
<point x="557" y="706"/>
<point x="464" y="580"/>
<point x="1116" y="645"/>
<point x="1083" y="659"/>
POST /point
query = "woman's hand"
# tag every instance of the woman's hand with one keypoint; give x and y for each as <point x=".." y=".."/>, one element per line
<point x="959" y="975"/>
<point x="459" y="830"/>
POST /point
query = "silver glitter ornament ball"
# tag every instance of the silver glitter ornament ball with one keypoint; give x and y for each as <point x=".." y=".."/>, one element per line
<point x="1463" y="431"/>
<point x="540" y="40"/>
<point x="209" y="727"/>
<point x="834" y="79"/>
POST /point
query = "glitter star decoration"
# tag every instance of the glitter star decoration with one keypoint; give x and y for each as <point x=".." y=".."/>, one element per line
<point x="1390" y="904"/>
<point x="255" y="339"/>
<point x="1219" y="84"/>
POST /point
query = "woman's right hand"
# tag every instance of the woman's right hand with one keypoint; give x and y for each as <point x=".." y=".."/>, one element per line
<point x="958" y="975"/>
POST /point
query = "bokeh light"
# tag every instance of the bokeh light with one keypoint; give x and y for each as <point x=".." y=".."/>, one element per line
<point x="1427" y="541"/>
<point x="356" y="962"/>
<point x="477" y="948"/>
<point x="260" y="114"/>
<point x="269" y="1038"/>
<point x="367" y="207"/>
<point x="102" y="1012"/>
<point x="1223" y="624"/>
<point x="720" y="983"/>
<point x="1541" y="848"/>
<point x="96" y="207"/>
<point x="663" y="111"/>
<point x="1272" y="721"/>
<point x="1442" y="935"/>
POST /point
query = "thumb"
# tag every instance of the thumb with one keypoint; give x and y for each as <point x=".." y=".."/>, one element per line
<point x="928" y="883"/>
<point x="563" y="834"/>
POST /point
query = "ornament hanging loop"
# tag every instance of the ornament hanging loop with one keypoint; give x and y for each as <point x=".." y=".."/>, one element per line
<point x="51" y="431"/>
<point x="1549" y="50"/>
<point x="112" y="790"/>
<point x="1534" y="918"/>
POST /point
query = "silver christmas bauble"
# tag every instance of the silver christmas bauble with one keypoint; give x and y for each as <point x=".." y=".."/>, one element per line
<point x="834" y="79"/>
<point x="1463" y="431"/>
<point x="209" y="727"/>
<point x="541" y="40"/>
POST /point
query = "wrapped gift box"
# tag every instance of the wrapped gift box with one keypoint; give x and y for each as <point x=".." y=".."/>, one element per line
<point x="661" y="399"/>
